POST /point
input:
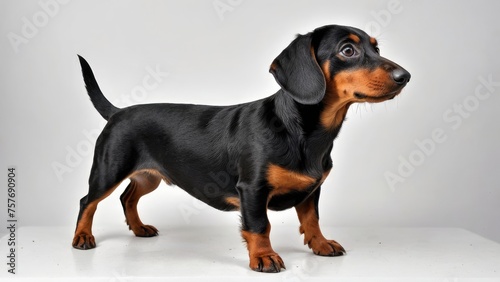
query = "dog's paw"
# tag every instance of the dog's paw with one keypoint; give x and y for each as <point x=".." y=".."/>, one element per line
<point x="145" y="231"/>
<point x="327" y="248"/>
<point x="84" y="241"/>
<point x="271" y="263"/>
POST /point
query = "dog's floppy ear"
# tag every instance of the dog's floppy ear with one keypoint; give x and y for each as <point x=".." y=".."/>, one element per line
<point x="298" y="73"/>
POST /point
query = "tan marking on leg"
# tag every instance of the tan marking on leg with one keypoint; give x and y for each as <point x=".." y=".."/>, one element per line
<point x="313" y="237"/>
<point x="262" y="256"/>
<point x="142" y="182"/>
<point x="83" y="238"/>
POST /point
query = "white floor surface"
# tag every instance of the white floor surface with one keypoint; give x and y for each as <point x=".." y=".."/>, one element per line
<point x="218" y="254"/>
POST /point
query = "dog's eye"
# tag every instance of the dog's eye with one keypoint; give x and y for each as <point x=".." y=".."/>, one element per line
<point x="348" y="51"/>
<point x="377" y="50"/>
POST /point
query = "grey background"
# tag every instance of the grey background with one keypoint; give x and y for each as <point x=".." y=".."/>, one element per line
<point x="222" y="57"/>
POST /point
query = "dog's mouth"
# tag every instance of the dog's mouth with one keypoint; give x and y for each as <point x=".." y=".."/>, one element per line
<point x="374" y="99"/>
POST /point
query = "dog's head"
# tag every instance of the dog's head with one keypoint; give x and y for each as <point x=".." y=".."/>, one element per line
<point x="340" y="60"/>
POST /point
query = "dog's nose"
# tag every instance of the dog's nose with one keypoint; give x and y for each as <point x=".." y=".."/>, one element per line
<point x="400" y="76"/>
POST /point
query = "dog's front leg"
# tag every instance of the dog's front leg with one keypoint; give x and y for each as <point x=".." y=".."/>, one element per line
<point x="308" y="215"/>
<point x="256" y="228"/>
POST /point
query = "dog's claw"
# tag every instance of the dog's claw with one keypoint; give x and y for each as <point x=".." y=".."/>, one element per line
<point x="270" y="263"/>
<point x="84" y="242"/>
<point x="145" y="231"/>
<point x="328" y="248"/>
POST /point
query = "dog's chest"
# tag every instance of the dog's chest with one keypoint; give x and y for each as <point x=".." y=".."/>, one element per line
<point x="289" y="188"/>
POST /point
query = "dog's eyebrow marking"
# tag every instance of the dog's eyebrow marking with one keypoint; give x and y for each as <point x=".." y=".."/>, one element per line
<point x="354" y="38"/>
<point x="373" y="41"/>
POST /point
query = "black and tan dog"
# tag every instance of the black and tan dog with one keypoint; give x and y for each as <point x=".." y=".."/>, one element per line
<point x="273" y="153"/>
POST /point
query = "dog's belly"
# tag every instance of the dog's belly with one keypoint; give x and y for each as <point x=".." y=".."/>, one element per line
<point x="282" y="199"/>
<point x="217" y="190"/>
<point x="287" y="201"/>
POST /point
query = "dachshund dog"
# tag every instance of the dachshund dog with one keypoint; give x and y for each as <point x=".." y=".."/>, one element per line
<point x="273" y="153"/>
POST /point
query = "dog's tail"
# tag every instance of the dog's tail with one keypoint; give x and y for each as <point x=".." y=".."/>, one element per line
<point x="103" y="106"/>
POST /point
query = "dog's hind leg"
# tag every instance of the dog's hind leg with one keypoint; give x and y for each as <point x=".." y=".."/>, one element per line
<point x="109" y="169"/>
<point x="141" y="183"/>
<point x="98" y="191"/>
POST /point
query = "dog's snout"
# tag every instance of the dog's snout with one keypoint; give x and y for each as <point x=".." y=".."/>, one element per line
<point x="400" y="76"/>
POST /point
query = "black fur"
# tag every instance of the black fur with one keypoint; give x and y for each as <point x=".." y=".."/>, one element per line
<point x="218" y="152"/>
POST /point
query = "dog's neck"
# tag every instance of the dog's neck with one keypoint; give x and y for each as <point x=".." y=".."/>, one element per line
<point x="325" y="118"/>
<point x="335" y="109"/>
<point x="313" y="126"/>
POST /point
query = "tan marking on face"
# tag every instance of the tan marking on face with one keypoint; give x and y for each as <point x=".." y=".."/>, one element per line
<point x="354" y="38"/>
<point x="374" y="84"/>
<point x="373" y="41"/>
<point x="326" y="70"/>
